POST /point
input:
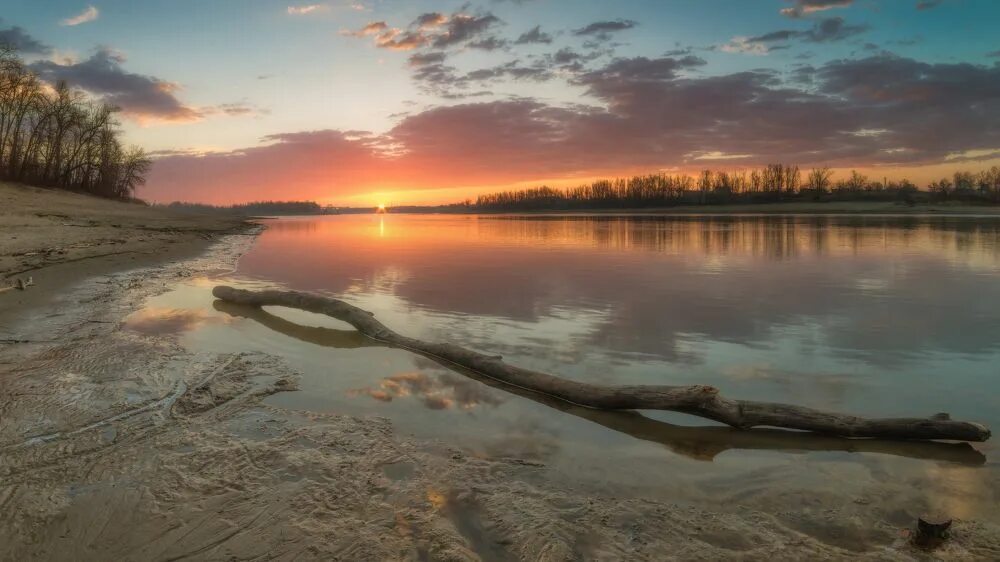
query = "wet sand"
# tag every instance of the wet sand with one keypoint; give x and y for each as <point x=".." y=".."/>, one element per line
<point x="119" y="444"/>
<point x="59" y="238"/>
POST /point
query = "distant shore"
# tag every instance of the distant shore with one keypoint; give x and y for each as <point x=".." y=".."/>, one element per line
<point x="805" y="208"/>
<point x="785" y="208"/>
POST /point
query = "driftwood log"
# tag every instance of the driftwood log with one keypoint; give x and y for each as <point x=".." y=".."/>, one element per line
<point x="699" y="400"/>
<point x="698" y="443"/>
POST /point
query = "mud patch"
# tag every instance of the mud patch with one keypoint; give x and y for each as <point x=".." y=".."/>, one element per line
<point x="245" y="376"/>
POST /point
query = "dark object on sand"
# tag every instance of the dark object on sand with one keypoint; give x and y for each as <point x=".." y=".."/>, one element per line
<point x="932" y="530"/>
<point x="698" y="400"/>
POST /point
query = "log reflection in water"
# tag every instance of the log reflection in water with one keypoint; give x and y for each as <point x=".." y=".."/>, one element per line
<point x="699" y="443"/>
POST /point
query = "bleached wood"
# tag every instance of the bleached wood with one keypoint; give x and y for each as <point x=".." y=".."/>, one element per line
<point x="699" y="400"/>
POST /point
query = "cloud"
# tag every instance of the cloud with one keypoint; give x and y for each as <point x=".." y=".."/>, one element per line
<point x="89" y="14"/>
<point x="639" y="114"/>
<point x="435" y="77"/>
<point x="290" y="160"/>
<point x="715" y="155"/>
<point x="372" y="28"/>
<point x="745" y="45"/>
<point x="603" y="28"/>
<point x="641" y="70"/>
<point x="430" y="20"/>
<point x="805" y="7"/>
<point x="425" y="59"/>
<point x="462" y="27"/>
<point x="145" y="98"/>
<point x="823" y="31"/>
<point x="304" y="9"/>
<point x="397" y="40"/>
<point x="434" y="35"/>
<point x="534" y="35"/>
<point x="781" y="35"/>
<point x="512" y="69"/>
<point x="19" y="39"/>
<point x="434" y="30"/>
<point x="566" y="56"/>
<point x="832" y="29"/>
<point x="489" y="44"/>
<point x="391" y="38"/>
<point x="235" y="109"/>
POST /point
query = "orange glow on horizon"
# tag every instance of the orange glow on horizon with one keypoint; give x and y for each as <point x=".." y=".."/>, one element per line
<point x="402" y="196"/>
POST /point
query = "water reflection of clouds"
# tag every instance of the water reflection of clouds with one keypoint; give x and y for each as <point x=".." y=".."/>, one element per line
<point x="157" y="320"/>
<point x="442" y="391"/>
<point x="657" y="280"/>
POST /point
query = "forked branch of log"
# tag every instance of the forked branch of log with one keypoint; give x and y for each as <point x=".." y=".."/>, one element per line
<point x="698" y="400"/>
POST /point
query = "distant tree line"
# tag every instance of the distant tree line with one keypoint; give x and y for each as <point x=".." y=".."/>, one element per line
<point x="53" y="136"/>
<point x="255" y="208"/>
<point x="968" y="186"/>
<point x="773" y="183"/>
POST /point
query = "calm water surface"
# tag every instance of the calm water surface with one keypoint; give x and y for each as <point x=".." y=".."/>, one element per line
<point x="871" y="315"/>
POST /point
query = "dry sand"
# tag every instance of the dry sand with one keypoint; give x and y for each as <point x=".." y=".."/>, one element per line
<point x="117" y="445"/>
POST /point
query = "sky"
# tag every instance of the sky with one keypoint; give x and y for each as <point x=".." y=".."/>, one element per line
<point x="367" y="102"/>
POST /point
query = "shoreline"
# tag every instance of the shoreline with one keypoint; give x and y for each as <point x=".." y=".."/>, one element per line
<point x="157" y="452"/>
<point x="59" y="238"/>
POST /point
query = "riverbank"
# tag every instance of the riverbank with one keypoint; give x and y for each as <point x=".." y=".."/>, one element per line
<point x="118" y="443"/>
<point x="59" y="238"/>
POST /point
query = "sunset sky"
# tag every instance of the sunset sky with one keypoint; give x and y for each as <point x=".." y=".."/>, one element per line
<point x="362" y="102"/>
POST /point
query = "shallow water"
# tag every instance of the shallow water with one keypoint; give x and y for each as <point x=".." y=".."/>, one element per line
<point x="872" y="315"/>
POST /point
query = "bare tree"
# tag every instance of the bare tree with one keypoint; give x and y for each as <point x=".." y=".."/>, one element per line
<point x="53" y="136"/>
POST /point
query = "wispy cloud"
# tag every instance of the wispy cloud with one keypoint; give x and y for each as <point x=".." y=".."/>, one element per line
<point x="806" y="7"/>
<point x="307" y="9"/>
<point x="602" y="29"/>
<point x="716" y="155"/>
<point x="823" y="31"/>
<point x="434" y="29"/>
<point x="745" y="45"/>
<point x="88" y="15"/>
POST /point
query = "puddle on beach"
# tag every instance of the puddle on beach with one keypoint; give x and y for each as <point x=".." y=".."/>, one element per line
<point x="882" y="316"/>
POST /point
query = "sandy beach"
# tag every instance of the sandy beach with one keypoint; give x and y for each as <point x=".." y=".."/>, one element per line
<point x="116" y="444"/>
<point x="59" y="238"/>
